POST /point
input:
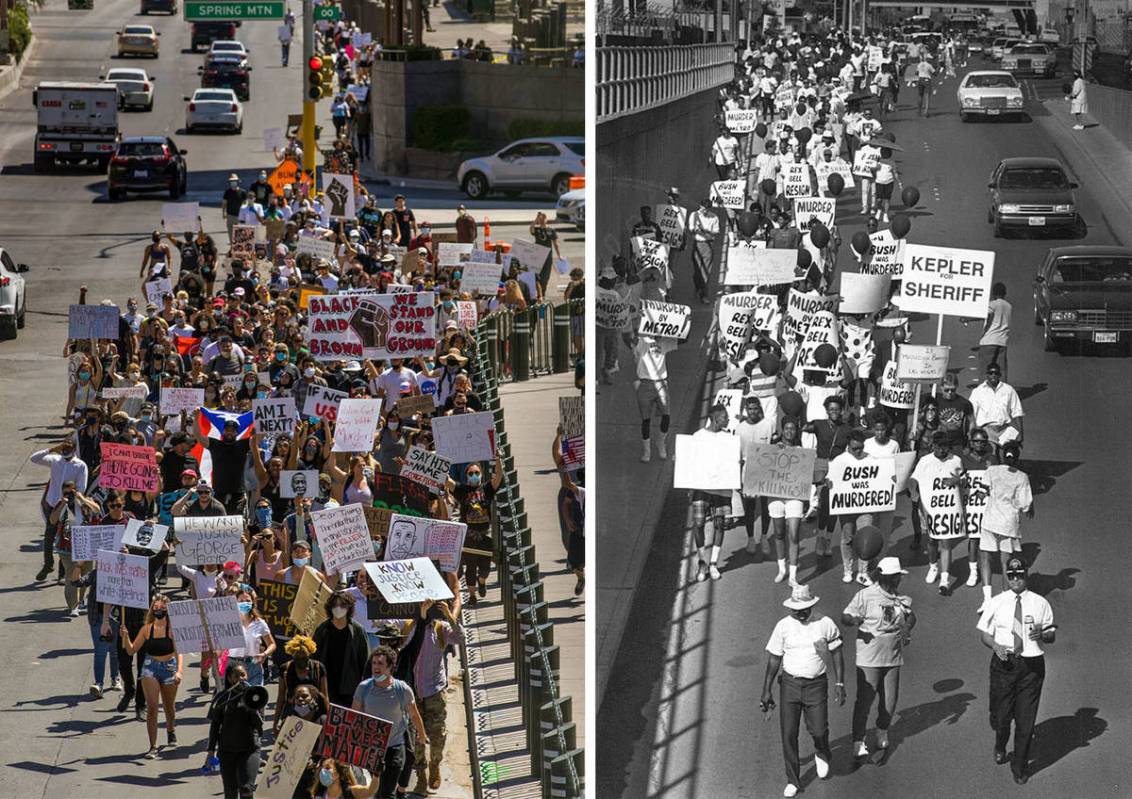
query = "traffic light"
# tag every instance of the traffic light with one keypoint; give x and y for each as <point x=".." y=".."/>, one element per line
<point x="314" y="78"/>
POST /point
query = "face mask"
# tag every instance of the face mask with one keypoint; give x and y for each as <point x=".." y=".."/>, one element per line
<point x="394" y="425"/>
<point x="261" y="395"/>
<point x="135" y="375"/>
<point x="69" y="455"/>
<point x="367" y="473"/>
<point x="383" y="678"/>
<point x="425" y="231"/>
<point x="84" y="375"/>
<point x="280" y="356"/>
<point x="159" y="614"/>
<point x="300" y="561"/>
<point x="263" y="516"/>
<point x="251" y="381"/>
<point x="244" y="607"/>
<point x="340" y="612"/>
<point x="448" y="304"/>
<point x="303" y="710"/>
<point x="145" y="417"/>
<point x="325" y="777"/>
<point x="474" y="479"/>
<point x="308" y="372"/>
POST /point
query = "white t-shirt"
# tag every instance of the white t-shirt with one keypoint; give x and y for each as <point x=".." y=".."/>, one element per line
<point x="651" y="354"/>
<point x="998" y="332"/>
<point x="886" y="450"/>
<point x="252" y="644"/>
<point x="395" y="383"/>
<point x="794" y="642"/>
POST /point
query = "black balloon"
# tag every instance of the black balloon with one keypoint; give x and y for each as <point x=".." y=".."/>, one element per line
<point x="747" y="222"/>
<point x="900" y="226"/>
<point x="803" y="135"/>
<point x="835" y="183"/>
<point x="910" y="196"/>
<point x="769" y="187"/>
<point x="805" y="259"/>
<point x="860" y="242"/>
<point x="819" y="235"/>
<point x="760" y="130"/>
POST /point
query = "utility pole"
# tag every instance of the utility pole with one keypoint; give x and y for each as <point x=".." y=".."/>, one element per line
<point x="310" y="154"/>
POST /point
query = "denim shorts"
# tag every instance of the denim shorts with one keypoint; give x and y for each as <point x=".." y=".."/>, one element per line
<point x="161" y="670"/>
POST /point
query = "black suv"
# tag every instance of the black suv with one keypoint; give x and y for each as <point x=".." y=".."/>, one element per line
<point x="168" y="6"/>
<point x="147" y="163"/>
<point x="231" y="74"/>
<point x="205" y="33"/>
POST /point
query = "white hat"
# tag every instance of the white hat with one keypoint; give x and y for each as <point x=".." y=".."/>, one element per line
<point x="800" y="598"/>
<point x="890" y="565"/>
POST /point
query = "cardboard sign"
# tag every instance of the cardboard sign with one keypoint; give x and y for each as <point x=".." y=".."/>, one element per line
<point x="467" y="315"/>
<point x="420" y="537"/>
<point x="867" y="485"/>
<point x="87" y="539"/>
<point x="895" y="393"/>
<point x="298" y="483"/>
<point x="673" y="221"/>
<point x="741" y="314"/>
<point x="273" y="137"/>
<point x="307" y="291"/>
<point x="220" y="614"/>
<point x="274" y="416"/>
<point x="287" y="762"/>
<point x="155" y="290"/>
<point x="946" y="280"/>
<point x="180" y="218"/>
<point x="863" y="293"/>
<point x="144" y="534"/>
<point x="572" y="416"/>
<point x="916" y="362"/>
<point x="665" y="320"/>
<point x="123" y="579"/>
<point x="751" y="264"/>
<point x="377" y="522"/>
<point x="359" y="326"/>
<point x="707" y="462"/>
<point x="530" y="256"/>
<point x="451" y="253"/>
<point x="175" y="400"/>
<point x="322" y="403"/>
<point x="275" y="601"/>
<point x="129" y="468"/>
<point x="378" y="608"/>
<point x="242" y="243"/>
<point x="611" y="310"/>
<point x="729" y="193"/>
<point x="886" y="256"/>
<point x="837" y="167"/>
<point x="343" y="537"/>
<point x="319" y="249"/>
<point x="427" y="468"/>
<point x="822" y="329"/>
<point x="732" y="400"/>
<point x="741" y="120"/>
<point x="465" y="437"/>
<point x="92" y="321"/>
<point x="976" y="492"/>
<point x="209" y="539"/>
<point x="416" y="404"/>
<point x="808" y="210"/>
<point x="350" y="736"/>
<point x="356" y="424"/>
<point x="124" y="392"/>
<point x="778" y="472"/>
<point x="942" y="507"/>
<point x="865" y="161"/>
<point x="309" y="607"/>
<point x="801" y="306"/>
<point x="480" y="278"/>
<point x="649" y="254"/>
<point x="796" y="180"/>
<point x="400" y="494"/>
<point x="412" y="580"/>
<point x="338" y="197"/>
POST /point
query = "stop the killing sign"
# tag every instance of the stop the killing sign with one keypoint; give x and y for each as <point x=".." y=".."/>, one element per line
<point x="946" y="280"/>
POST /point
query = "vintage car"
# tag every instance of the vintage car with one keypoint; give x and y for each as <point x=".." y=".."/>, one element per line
<point x="1030" y="58"/>
<point x="1031" y="193"/>
<point x="1083" y="294"/>
<point x="989" y="93"/>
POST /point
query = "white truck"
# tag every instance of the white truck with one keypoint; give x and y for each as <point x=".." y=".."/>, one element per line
<point x="75" y="123"/>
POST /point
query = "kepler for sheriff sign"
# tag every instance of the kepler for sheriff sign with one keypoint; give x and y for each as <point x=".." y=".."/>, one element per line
<point x="946" y="280"/>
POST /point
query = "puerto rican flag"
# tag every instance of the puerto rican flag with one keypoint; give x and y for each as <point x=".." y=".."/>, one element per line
<point x="212" y="426"/>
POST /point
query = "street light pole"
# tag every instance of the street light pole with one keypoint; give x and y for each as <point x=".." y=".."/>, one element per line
<point x="309" y="106"/>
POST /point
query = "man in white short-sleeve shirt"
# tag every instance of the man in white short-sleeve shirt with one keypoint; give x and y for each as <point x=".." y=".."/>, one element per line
<point x="998" y="409"/>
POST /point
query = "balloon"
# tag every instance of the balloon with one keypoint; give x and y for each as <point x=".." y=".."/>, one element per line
<point x="819" y="236"/>
<point x="747" y="222"/>
<point x="769" y="187"/>
<point x="836" y="184"/>
<point x="760" y="130"/>
<point x="792" y="403"/>
<point x="805" y="259"/>
<point x="769" y="363"/>
<point x="899" y="334"/>
<point x="900" y="226"/>
<point x="825" y="355"/>
<point x="887" y="134"/>
<point x="800" y="108"/>
<point x="1066" y="88"/>
<point x="861" y="243"/>
<point x="910" y="196"/>
<point x="868" y="542"/>
<point x="803" y="135"/>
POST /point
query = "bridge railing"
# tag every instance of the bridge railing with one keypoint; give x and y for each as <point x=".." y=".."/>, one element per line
<point x="633" y="79"/>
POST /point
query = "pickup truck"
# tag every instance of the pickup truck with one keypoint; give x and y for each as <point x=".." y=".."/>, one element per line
<point x="75" y="123"/>
<point x="1083" y="294"/>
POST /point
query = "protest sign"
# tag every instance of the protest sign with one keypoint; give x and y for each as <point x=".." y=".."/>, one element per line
<point x="318" y="249"/>
<point x="350" y="736"/>
<point x="418" y="536"/>
<point x="416" y="404"/>
<point x="801" y="306"/>
<point x="821" y="329"/>
<point x="143" y="534"/>
<point x="209" y="539"/>
<point x="876" y="57"/>
<point x="867" y="485"/>
<point x="377" y="521"/>
<point x="128" y="468"/>
<point x="274" y="416"/>
<point x="426" y="468"/>
<point x="400" y="494"/>
<point x="741" y="120"/>
<point x="839" y="167"/>
<point x="530" y="256"/>
<point x="273" y="137"/>
<point x="481" y="278"/>
<point x="124" y="392"/>
<point x="976" y="492"/>
<point x="905" y="462"/>
<point x="298" y="483"/>
<point x="808" y="210"/>
<point x="917" y="362"/>
<point x="451" y="253"/>
<point x="306" y="291"/>
<point x="308" y="610"/>
<point x="942" y="508"/>
<point x="649" y="254"/>
<point x="886" y="256"/>
<point x="322" y="403"/>
<point x="665" y="320"/>
<point x="743" y="313"/>
<point x="611" y="310"/>
<point x="895" y="393"/>
<point x="175" y="400"/>
<point x="413" y="580"/>
<point x="467" y="316"/>
<point x="946" y="280"/>
<point x="572" y="416"/>
<point x="529" y="279"/>
<point x="356" y="424"/>
<point x="863" y="293"/>
<point x="288" y="760"/>
<point x="92" y="321"/>
<point x="359" y="326"/>
<point x="377" y="607"/>
<point x="796" y="180"/>
<point x="486" y="256"/>
<point x="343" y="537"/>
<point x="865" y="161"/>
<point x="729" y="193"/>
<point x="155" y="290"/>
<point x="123" y="579"/>
<point x="275" y="602"/>
<point x="220" y="614"/>
<point x="87" y="539"/>
<point x="284" y="174"/>
<point x="732" y="400"/>
<point x="778" y="472"/>
<point x="465" y="437"/>
<point x="338" y="196"/>
<point x="673" y="222"/>
<point x="243" y="242"/>
<point x="751" y="264"/>
<point x="707" y="462"/>
<point x="180" y="218"/>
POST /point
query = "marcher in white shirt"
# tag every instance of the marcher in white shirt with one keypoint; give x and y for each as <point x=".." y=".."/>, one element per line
<point x="1009" y="495"/>
<point x="704" y="225"/>
<point x="998" y="409"/>
<point x="66" y="465"/>
<point x="725" y="153"/>
<point x="755" y="429"/>
<point x="651" y="385"/>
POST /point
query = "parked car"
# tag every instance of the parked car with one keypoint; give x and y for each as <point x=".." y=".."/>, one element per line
<point x="13" y="295"/>
<point x="147" y="163"/>
<point x="989" y="93"/>
<point x="138" y="40"/>
<point x="214" y="108"/>
<point x="227" y="72"/>
<point x="1031" y="193"/>
<point x="135" y="87"/>
<point x="568" y="204"/>
<point x="168" y="6"/>
<point x="1030" y="58"/>
<point x="203" y="34"/>
<point x="1083" y="294"/>
<point x="543" y="164"/>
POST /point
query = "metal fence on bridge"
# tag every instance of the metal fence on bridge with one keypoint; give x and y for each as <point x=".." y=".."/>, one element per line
<point x="633" y="79"/>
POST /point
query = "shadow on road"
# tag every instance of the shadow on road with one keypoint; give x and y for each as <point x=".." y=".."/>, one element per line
<point x="1058" y="737"/>
<point x="1045" y="583"/>
<point x="1044" y="474"/>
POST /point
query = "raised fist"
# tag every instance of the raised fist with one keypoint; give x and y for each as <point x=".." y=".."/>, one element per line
<point x="371" y="322"/>
<point x="338" y="194"/>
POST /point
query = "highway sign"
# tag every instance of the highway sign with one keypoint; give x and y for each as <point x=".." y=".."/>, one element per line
<point x="329" y="13"/>
<point x="197" y="10"/>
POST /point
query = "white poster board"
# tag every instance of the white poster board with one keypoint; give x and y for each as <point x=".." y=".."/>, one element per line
<point x="530" y="256"/>
<point x="886" y="256"/>
<point x="427" y="468"/>
<point x="322" y="403"/>
<point x="946" y="280"/>
<point x="175" y="400"/>
<point x="863" y="293"/>
<point x="273" y="137"/>
<point x="87" y="539"/>
<point x="412" y="580"/>
<point x="155" y="290"/>
<point x="422" y="537"/>
<point x="465" y="437"/>
<point x="749" y="264"/>
<point x="808" y="210"/>
<point x="707" y="462"/>
<point x="123" y="579"/>
<point x="209" y="539"/>
<point x="673" y="222"/>
<point x="274" y="416"/>
<point x="180" y="218"/>
<point x="288" y="759"/>
<point x="343" y="537"/>
<point x="143" y="534"/>
<point x="338" y="197"/>
<point x="222" y="617"/>
<point x="480" y="278"/>
<point x="318" y="249"/>
<point x="867" y="485"/>
<point x="665" y="320"/>
<point x="356" y="425"/>
<point x="924" y="362"/>
<point x="729" y="193"/>
<point x="650" y="254"/>
<point x="298" y="483"/>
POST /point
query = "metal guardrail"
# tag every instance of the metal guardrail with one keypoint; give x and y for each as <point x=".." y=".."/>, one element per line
<point x="529" y="343"/>
<point x="632" y="79"/>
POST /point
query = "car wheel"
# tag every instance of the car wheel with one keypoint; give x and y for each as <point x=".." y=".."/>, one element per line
<point x="103" y="165"/>
<point x="149" y="105"/>
<point x="964" y="116"/>
<point x="114" y="195"/>
<point x="7" y="328"/>
<point x="560" y="185"/>
<point x="997" y="230"/>
<point x="476" y="185"/>
<point x="1049" y="343"/>
<point x="239" y="128"/>
<point x="42" y="165"/>
<point x="22" y="318"/>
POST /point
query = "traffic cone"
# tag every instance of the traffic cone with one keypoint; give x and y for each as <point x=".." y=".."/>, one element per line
<point x="486" y="233"/>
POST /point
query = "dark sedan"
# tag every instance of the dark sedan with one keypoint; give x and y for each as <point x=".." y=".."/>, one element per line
<point x="1083" y="294"/>
<point x="1031" y="193"/>
<point x="227" y="72"/>
<point x="147" y="163"/>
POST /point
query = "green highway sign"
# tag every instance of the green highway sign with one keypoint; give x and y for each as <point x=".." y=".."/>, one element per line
<point x="198" y="11"/>
<point x="328" y="12"/>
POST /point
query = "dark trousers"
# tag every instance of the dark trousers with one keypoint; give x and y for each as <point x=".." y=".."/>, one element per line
<point x="129" y="668"/>
<point x="798" y="696"/>
<point x="881" y="683"/>
<point x="49" y="547"/>
<point x="391" y="772"/>
<point x="238" y="772"/>
<point x="755" y="508"/>
<point x="1015" y="690"/>
<point x="723" y="170"/>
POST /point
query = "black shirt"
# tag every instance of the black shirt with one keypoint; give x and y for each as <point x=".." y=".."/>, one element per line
<point x="405" y="220"/>
<point x="233" y="200"/>
<point x="172" y="465"/>
<point x="228" y="459"/>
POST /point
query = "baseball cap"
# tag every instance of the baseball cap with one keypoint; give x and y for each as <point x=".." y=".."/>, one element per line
<point x="891" y="565"/>
<point x="189" y="473"/>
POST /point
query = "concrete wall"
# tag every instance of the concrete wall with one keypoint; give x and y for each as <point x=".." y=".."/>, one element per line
<point x="1112" y="108"/>
<point x="494" y="94"/>
<point x="640" y="156"/>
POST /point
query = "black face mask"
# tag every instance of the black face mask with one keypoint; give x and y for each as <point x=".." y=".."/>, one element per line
<point x="160" y="614"/>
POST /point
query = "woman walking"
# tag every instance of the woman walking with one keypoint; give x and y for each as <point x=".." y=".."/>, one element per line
<point x="161" y="672"/>
<point x="234" y="734"/>
<point x="1008" y="497"/>
<point x="258" y="642"/>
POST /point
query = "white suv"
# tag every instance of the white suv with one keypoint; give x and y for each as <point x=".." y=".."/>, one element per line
<point x="544" y="164"/>
<point x="13" y="297"/>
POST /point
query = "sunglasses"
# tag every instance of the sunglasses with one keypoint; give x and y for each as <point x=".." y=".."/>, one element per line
<point x="1015" y="575"/>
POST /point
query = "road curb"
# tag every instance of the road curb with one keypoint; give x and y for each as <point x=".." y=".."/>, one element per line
<point x="10" y="78"/>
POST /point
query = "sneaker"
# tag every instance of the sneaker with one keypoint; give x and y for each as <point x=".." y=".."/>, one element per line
<point x="979" y="610"/>
<point x="82" y="603"/>
<point x="124" y="703"/>
<point x="822" y="766"/>
<point x="884" y="218"/>
<point x="714" y="572"/>
<point x="1078" y="127"/>
<point x="752" y="546"/>
<point x="972" y="579"/>
<point x="945" y="587"/>
<point x="151" y="754"/>
<point x="172" y="737"/>
<point x="859" y="749"/>
<point x="790" y="790"/>
<point x="780" y="576"/>
<point x="116" y="685"/>
<point x="882" y="739"/>
<point x="701" y="572"/>
<point x="646" y="456"/>
<point x="204" y="685"/>
<point x="96" y="690"/>
<point x="580" y="586"/>
<point x="847" y="577"/>
<point x="932" y="575"/>
<point x="864" y="580"/>
<point x="74" y="614"/>
<point x="41" y="575"/>
<point x="662" y="449"/>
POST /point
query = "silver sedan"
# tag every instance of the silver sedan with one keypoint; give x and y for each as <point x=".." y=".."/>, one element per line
<point x="214" y="108"/>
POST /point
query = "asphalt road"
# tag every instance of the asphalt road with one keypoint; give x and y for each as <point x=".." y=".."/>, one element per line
<point x="680" y="719"/>
<point x="58" y="741"/>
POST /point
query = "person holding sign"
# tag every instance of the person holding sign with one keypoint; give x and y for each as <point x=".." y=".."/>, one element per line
<point x="851" y="522"/>
<point x="754" y="429"/>
<point x="651" y="385"/>
<point x="976" y="459"/>
<point x="725" y="153"/>
<point x="935" y="489"/>
<point x="161" y="674"/>
<point x="258" y="641"/>
<point x="477" y="508"/>
<point x="786" y="514"/>
<point x="388" y="698"/>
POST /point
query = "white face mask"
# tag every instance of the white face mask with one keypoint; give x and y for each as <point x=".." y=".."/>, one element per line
<point x="339" y="612"/>
<point x="308" y="372"/>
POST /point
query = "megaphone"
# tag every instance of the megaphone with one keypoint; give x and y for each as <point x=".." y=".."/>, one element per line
<point x="254" y="697"/>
